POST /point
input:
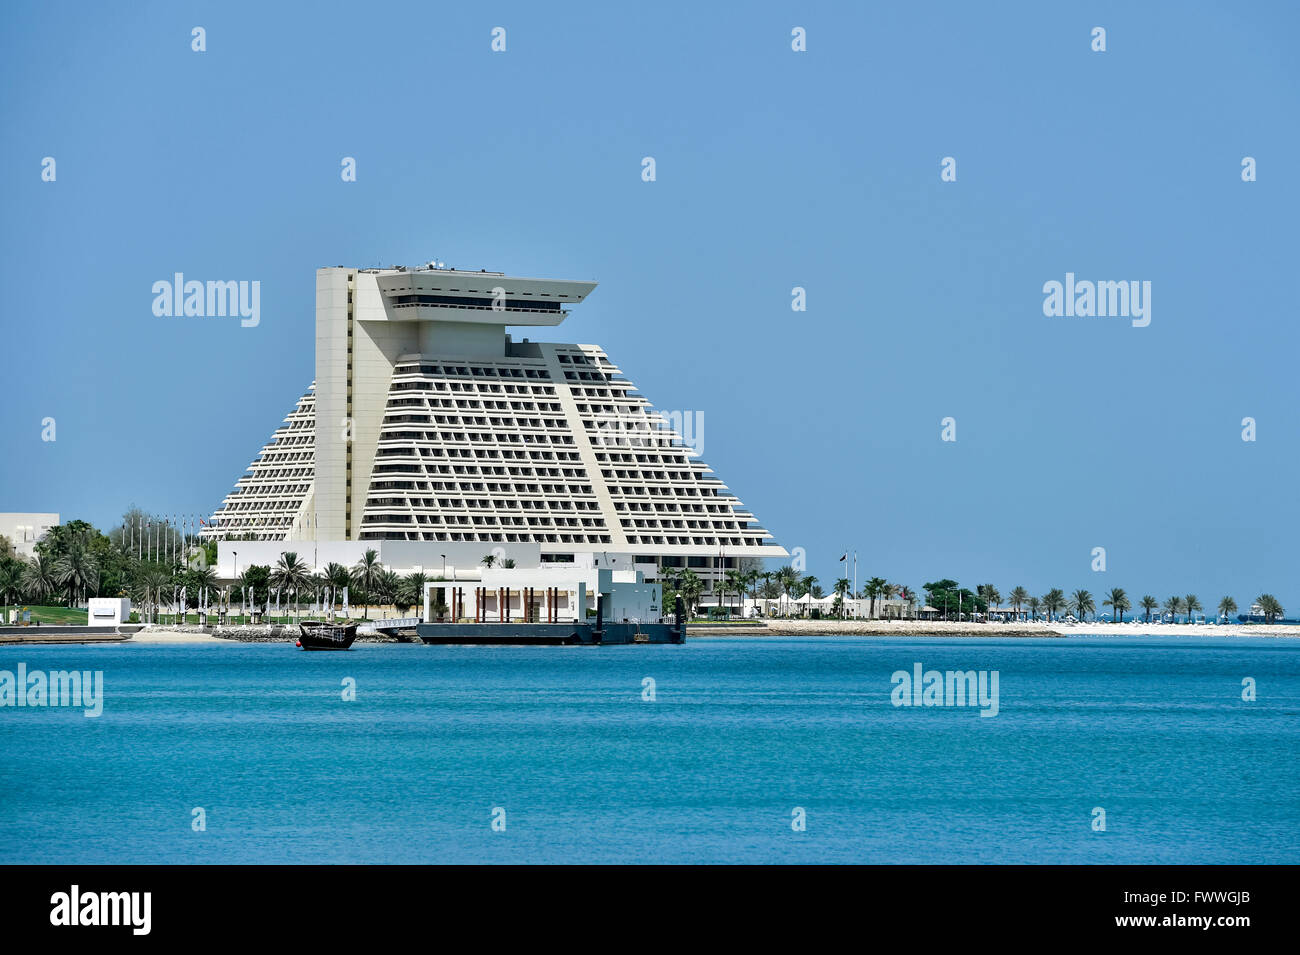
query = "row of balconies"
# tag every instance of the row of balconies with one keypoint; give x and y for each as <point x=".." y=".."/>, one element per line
<point x="432" y="520"/>
<point x="691" y="541"/>
<point x="441" y="536"/>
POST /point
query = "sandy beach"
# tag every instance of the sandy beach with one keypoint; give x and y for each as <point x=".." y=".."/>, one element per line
<point x="149" y="635"/>
<point x="1180" y="629"/>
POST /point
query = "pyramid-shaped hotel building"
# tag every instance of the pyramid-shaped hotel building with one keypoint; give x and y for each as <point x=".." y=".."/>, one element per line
<point x="429" y="423"/>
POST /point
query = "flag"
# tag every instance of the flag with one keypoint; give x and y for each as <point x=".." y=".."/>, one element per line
<point x="845" y="556"/>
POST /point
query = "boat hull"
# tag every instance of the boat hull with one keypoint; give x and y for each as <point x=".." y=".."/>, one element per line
<point x="324" y="636"/>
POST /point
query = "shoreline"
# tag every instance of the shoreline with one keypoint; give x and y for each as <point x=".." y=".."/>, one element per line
<point x="165" y="636"/>
<point x="927" y="628"/>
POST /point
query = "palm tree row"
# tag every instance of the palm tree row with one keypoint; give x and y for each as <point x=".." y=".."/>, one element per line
<point x="1081" y="603"/>
<point x="74" y="574"/>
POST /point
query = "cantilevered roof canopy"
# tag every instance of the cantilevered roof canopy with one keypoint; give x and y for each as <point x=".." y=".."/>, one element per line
<point x="453" y="295"/>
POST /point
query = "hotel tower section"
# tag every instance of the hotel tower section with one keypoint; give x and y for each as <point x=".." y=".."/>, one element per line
<point x="428" y="422"/>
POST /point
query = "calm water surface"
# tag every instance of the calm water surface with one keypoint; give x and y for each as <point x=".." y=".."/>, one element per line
<point x="1153" y="730"/>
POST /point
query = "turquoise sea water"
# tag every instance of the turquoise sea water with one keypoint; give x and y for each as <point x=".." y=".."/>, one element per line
<point x="741" y="732"/>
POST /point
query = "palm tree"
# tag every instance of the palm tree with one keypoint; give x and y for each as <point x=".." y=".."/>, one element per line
<point x="1148" y="604"/>
<point x="153" y="583"/>
<point x="1227" y="607"/>
<point x="752" y="577"/>
<point x="389" y="584"/>
<point x="77" y="568"/>
<point x="414" y="589"/>
<point x="872" y="590"/>
<point x="807" y="585"/>
<point x="1083" y="604"/>
<point x="671" y="584"/>
<point x="1271" y="606"/>
<point x="11" y="580"/>
<point x="913" y="599"/>
<point x="787" y="578"/>
<point x="887" y="592"/>
<point x="1117" y="601"/>
<point x="1173" y="607"/>
<point x="991" y="596"/>
<point x="735" y="580"/>
<point x="690" y="589"/>
<point x="1017" y="598"/>
<point x="39" y="578"/>
<point x="488" y="560"/>
<point x="290" y="573"/>
<point x="1053" y="601"/>
<point x="203" y="579"/>
<point x="1192" y="605"/>
<point x="366" y="573"/>
<point x="319" y="583"/>
<point x="1033" y="603"/>
<point x="336" y="578"/>
<point x="841" y="590"/>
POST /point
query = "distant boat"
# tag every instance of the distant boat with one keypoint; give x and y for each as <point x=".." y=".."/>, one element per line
<point x="1256" y="615"/>
<point x="316" y="635"/>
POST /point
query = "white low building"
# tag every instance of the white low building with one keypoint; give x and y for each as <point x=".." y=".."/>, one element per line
<point x="554" y="593"/>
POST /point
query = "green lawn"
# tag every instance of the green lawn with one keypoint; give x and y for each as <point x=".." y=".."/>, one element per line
<point x="50" y="615"/>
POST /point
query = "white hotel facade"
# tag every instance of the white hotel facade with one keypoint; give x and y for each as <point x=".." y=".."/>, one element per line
<point x="433" y="436"/>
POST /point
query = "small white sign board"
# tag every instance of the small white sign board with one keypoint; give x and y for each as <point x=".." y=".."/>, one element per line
<point x="108" y="611"/>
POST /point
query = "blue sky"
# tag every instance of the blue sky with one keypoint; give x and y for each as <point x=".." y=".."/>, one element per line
<point x="775" y="169"/>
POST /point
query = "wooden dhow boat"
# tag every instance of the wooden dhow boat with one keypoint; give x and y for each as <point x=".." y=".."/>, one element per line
<point x="318" y="635"/>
